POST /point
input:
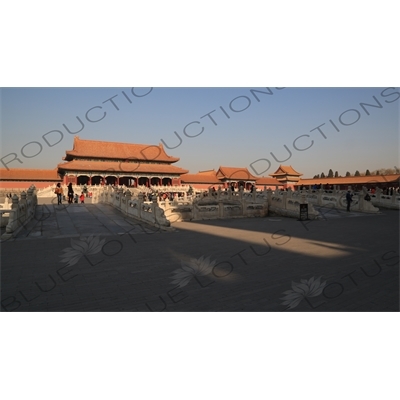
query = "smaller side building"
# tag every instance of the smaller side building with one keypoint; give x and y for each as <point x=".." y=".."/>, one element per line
<point x="19" y="178"/>
<point x="287" y="176"/>
<point x="226" y="177"/>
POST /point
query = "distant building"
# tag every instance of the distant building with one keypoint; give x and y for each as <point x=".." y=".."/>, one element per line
<point x="95" y="162"/>
<point x="286" y="175"/>
<point x="225" y="177"/>
<point x="355" y="182"/>
<point x="19" y="178"/>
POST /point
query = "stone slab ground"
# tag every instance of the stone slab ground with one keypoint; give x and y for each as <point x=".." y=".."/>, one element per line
<point x="90" y="258"/>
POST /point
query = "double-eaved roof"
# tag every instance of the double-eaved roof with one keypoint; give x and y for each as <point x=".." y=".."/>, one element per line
<point x="120" y="158"/>
<point x="286" y="170"/>
<point x="98" y="149"/>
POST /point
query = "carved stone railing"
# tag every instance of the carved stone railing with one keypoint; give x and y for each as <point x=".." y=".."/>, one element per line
<point x="172" y="188"/>
<point x="337" y="199"/>
<point x="287" y="203"/>
<point x="216" y="205"/>
<point x="149" y="212"/>
<point x="21" y="211"/>
<point x="379" y="199"/>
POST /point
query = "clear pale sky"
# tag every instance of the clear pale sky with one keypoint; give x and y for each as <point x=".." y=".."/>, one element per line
<point x="264" y="126"/>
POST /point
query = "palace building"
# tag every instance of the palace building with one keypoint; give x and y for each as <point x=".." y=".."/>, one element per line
<point x="24" y="178"/>
<point x="225" y="177"/>
<point x="286" y="175"/>
<point x="95" y="162"/>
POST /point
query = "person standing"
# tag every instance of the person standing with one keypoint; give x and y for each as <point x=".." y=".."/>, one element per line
<point x="70" y="193"/>
<point x="348" y="199"/>
<point x="59" y="192"/>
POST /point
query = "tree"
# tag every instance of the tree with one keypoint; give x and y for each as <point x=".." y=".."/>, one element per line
<point x="348" y="173"/>
<point x="377" y="173"/>
<point x="357" y="173"/>
<point x="316" y="176"/>
<point x="330" y="174"/>
<point x="336" y="174"/>
<point x="367" y="173"/>
<point x="322" y="175"/>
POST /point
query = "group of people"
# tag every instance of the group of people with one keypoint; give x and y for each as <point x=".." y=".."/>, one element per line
<point x="72" y="197"/>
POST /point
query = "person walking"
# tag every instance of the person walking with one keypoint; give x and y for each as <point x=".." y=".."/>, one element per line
<point x="70" y="193"/>
<point x="59" y="192"/>
<point x="349" y="199"/>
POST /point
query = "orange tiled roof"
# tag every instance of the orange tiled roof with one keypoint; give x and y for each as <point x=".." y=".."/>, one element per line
<point x="21" y="174"/>
<point x="235" y="173"/>
<point x="286" y="170"/>
<point x="352" y="180"/>
<point x="201" y="177"/>
<point x="268" y="181"/>
<point x="120" y="167"/>
<point x="119" y="151"/>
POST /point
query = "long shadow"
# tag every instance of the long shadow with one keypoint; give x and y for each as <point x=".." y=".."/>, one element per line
<point x="196" y="268"/>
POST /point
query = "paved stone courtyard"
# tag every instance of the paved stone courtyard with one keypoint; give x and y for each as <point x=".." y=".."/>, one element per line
<point x="90" y="258"/>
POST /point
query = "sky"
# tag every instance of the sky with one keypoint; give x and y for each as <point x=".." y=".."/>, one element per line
<point x="252" y="127"/>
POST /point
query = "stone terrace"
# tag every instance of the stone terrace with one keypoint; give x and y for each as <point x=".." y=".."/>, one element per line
<point x="127" y="266"/>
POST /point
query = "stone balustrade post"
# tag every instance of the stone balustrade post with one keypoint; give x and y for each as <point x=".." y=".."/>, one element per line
<point x="241" y="193"/>
<point x="284" y="199"/>
<point x="378" y="194"/>
<point x="269" y="196"/>
<point x="128" y="197"/>
<point x="154" y="207"/>
<point x="23" y="207"/>
<point x="219" y="193"/>
<point x="14" y="217"/>
<point x="140" y="205"/>
<point x="393" y="197"/>
<point x="319" y="197"/>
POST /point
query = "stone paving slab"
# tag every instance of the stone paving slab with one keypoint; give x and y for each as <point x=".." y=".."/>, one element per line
<point x="255" y="262"/>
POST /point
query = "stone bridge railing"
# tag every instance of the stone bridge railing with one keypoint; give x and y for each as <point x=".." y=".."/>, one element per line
<point x="337" y="199"/>
<point x="379" y="199"/>
<point x="149" y="212"/>
<point x="165" y="189"/>
<point x="287" y="204"/>
<point x="19" y="212"/>
<point x="216" y="205"/>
